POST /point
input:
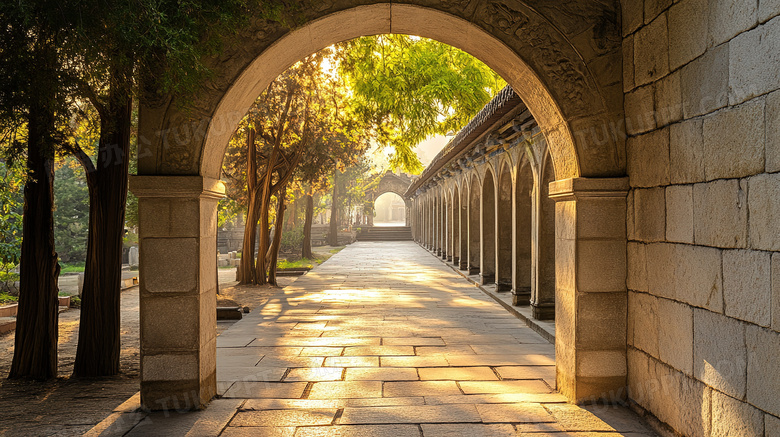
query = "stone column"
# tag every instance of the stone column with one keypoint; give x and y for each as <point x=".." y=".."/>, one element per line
<point x="590" y="320"/>
<point x="178" y="270"/>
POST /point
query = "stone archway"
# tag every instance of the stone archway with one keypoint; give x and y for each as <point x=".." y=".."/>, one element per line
<point x="562" y="59"/>
<point x="488" y="230"/>
<point x="396" y="184"/>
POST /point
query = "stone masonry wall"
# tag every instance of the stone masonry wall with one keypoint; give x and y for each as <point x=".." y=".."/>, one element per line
<point x="703" y="122"/>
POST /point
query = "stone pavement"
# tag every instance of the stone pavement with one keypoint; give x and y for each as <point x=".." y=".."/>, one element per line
<point x="384" y="339"/>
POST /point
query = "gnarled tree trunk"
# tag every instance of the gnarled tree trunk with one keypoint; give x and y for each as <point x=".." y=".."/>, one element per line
<point x="35" y="344"/>
<point x="333" y="232"/>
<point x="274" y="252"/>
<point x="306" y="251"/>
<point x="97" y="353"/>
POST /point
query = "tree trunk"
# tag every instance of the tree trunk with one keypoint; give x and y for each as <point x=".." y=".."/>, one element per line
<point x="333" y="233"/>
<point x="35" y="345"/>
<point x="97" y="353"/>
<point x="277" y="236"/>
<point x="247" y="267"/>
<point x="306" y="252"/>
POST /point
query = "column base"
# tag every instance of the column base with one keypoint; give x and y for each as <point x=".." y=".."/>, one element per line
<point x="521" y="296"/>
<point x="503" y="286"/>
<point x="456" y="260"/>
<point x="544" y="311"/>
<point x="438" y="252"/>
<point x="487" y="278"/>
<point x="473" y="270"/>
<point x="449" y="258"/>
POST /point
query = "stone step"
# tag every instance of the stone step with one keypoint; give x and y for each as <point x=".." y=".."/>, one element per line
<point x="7" y="324"/>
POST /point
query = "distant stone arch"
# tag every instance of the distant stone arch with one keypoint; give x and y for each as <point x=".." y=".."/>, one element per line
<point x="396" y="184"/>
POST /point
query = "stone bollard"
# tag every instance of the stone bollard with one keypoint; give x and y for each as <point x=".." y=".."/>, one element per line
<point x="81" y="283"/>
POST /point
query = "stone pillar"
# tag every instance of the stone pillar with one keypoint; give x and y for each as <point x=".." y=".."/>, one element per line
<point x="590" y="325"/>
<point x="177" y="224"/>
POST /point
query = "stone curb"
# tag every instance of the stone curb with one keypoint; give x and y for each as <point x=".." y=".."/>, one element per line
<point x="545" y="329"/>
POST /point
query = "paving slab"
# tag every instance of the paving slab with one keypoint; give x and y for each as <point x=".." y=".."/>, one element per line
<point x="384" y="339"/>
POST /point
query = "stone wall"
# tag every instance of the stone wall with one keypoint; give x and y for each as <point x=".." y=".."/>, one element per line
<point x="703" y="122"/>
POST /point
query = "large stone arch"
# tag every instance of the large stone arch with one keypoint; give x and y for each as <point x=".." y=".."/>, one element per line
<point x="562" y="59"/>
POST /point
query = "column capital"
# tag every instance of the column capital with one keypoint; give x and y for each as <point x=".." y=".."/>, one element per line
<point x="177" y="186"/>
<point x="570" y="189"/>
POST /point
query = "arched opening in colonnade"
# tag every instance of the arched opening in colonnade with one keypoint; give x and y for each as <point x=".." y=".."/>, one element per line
<point x="488" y="226"/>
<point x="474" y="226"/>
<point x="455" y="227"/>
<point x="390" y="210"/>
<point x="524" y="190"/>
<point x="543" y="294"/>
<point x="463" y="219"/>
<point x="504" y="230"/>
<point x="548" y="58"/>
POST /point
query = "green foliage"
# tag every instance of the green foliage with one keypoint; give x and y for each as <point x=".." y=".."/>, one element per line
<point x="12" y="180"/>
<point x="291" y="239"/>
<point x="410" y="88"/>
<point x="71" y="216"/>
<point x="76" y="267"/>
<point x="6" y="298"/>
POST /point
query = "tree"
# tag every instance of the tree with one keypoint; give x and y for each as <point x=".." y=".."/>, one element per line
<point x="409" y="88"/>
<point x="298" y="126"/>
<point x="32" y="115"/>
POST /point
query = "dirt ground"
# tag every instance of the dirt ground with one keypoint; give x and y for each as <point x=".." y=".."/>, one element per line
<point x="69" y="406"/>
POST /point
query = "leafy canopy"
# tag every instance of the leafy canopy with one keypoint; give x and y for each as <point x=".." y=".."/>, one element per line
<point x="409" y="89"/>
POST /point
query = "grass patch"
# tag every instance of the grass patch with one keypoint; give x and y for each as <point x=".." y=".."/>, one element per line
<point x="337" y="249"/>
<point x="6" y="299"/>
<point x="71" y="268"/>
<point x="303" y="262"/>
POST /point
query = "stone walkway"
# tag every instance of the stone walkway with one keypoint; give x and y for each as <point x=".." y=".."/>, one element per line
<point x="384" y="340"/>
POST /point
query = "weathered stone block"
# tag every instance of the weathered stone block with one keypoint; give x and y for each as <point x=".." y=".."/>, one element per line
<point x="601" y="265"/>
<point x="651" y="52"/>
<point x="768" y="9"/>
<point x="640" y="113"/>
<point x="747" y="285"/>
<point x="628" y="63"/>
<point x="637" y="267"/>
<point x="687" y="31"/>
<point x="170" y="322"/>
<point x="764" y="203"/>
<point x="686" y="151"/>
<point x="697" y="276"/>
<point x="668" y="100"/>
<point x="720" y="213"/>
<point x="642" y="329"/>
<point x="170" y="367"/>
<point x="734" y="418"/>
<point x="776" y="291"/>
<point x="675" y="335"/>
<point x="648" y="159"/>
<point x="649" y="214"/>
<point x="169" y="264"/>
<point x="661" y="258"/>
<point x="772" y="137"/>
<point x="754" y="60"/>
<point x="734" y="141"/>
<point x="601" y="321"/>
<point x="771" y="426"/>
<point x="679" y="213"/>
<point x="730" y="18"/>
<point x="720" y="356"/>
<point x="763" y="370"/>
<point x="680" y="401"/>
<point x="705" y="82"/>
<point x="655" y="7"/>
<point x="632" y="16"/>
